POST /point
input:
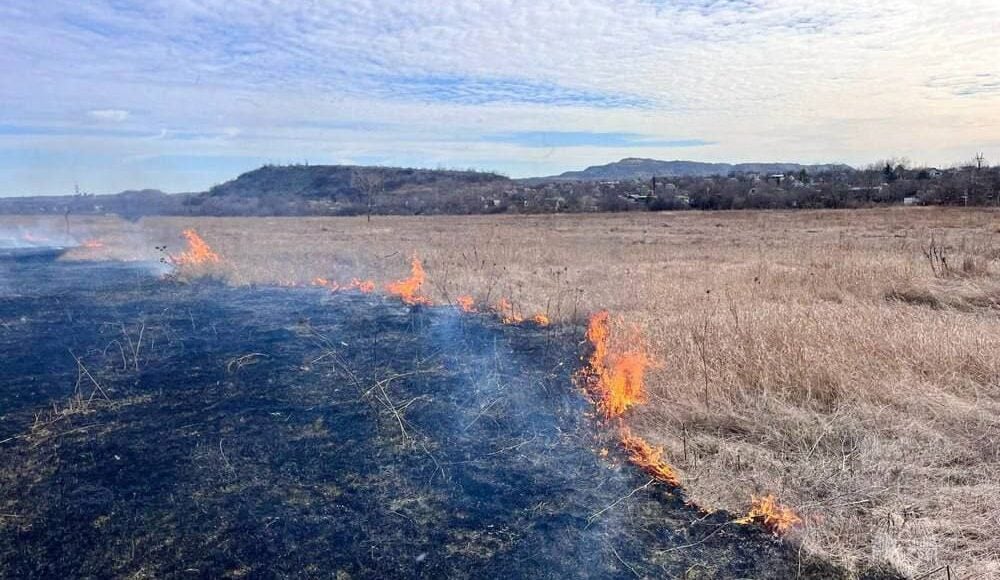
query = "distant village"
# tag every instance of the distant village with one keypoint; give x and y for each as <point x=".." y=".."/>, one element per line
<point x="354" y="190"/>
<point x="848" y="188"/>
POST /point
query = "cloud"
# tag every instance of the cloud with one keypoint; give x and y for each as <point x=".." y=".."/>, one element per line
<point x="967" y="85"/>
<point x="590" y="139"/>
<point x="117" y="115"/>
<point x="469" y="90"/>
<point x="458" y="83"/>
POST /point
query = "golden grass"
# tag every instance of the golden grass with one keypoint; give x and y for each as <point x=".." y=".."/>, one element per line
<point x="814" y="355"/>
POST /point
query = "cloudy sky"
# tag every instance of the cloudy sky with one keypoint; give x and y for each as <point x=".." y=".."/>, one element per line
<point x="182" y="94"/>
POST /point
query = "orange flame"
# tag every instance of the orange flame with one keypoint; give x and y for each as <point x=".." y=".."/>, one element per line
<point x="616" y="376"/>
<point x="333" y="285"/>
<point x="466" y="303"/>
<point x="507" y="313"/>
<point x="198" y="252"/>
<point x="541" y="319"/>
<point x="363" y="286"/>
<point x="93" y="244"/>
<point x="772" y="515"/>
<point x="649" y="458"/>
<point x="409" y="289"/>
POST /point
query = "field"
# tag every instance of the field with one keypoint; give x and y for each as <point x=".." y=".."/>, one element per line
<point x="844" y="361"/>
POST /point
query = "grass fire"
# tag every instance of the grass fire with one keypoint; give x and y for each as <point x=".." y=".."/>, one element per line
<point x="643" y="289"/>
<point x="438" y="406"/>
<point x="197" y="253"/>
<point x="408" y="289"/>
<point x="333" y="416"/>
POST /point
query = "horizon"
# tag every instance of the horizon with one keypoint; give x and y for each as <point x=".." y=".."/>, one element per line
<point x="115" y="96"/>
<point x="419" y="168"/>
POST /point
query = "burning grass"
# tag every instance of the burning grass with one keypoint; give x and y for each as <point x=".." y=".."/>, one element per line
<point x="820" y="355"/>
<point x="615" y="374"/>
<point x="771" y="514"/>
<point x="409" y="289"/>
<point x="466" y="304"/>
<point x="648" y="458"/>
<point x="243" y="424"/>
<point x="198" y="252"/>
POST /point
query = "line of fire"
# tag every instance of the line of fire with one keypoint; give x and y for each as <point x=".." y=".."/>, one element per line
<point x="343" y="427"/>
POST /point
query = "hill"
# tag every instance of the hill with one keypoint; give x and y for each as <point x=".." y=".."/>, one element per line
<point x="348" y="189"/>
<point x="638" y="168"/>
<point x="129" y="204"/>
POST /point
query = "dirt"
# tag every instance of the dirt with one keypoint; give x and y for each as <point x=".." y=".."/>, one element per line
<point x="156" y="428"/>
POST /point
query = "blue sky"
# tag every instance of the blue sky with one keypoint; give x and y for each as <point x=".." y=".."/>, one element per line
<point x="183" y="94"/>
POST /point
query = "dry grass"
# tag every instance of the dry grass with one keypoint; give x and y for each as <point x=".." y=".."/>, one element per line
<point x="827" y="357"/>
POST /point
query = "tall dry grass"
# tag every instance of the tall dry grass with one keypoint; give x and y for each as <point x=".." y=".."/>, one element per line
<point x="827" y="357"/>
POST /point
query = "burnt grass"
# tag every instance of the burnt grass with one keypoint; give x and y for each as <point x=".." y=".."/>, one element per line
<point x="156" y="428"/>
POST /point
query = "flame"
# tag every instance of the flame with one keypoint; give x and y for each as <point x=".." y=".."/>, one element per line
<point x="541" y="319"/>
<point x="198" y="252"/>
<point x="616" y="375"/>
<point x="775" y="517"/>
<point x="409" y="289"/>
<point x="363" y="286"/>
<point x="507" y="313"/>
<point x="92" y="244"/>
<point x="333" y="285"/>
<point x="466" y="303"/>
<point x="649" y="458"/>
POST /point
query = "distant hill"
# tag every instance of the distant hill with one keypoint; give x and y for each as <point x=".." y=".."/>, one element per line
<point x="637" y="168"/>
<point x="346" y="189"/>
<point x="130" y="204"/>
<point x="336" y="181"/>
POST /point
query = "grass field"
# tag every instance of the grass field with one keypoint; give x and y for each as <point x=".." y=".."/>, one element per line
<point x="845" y="361"/>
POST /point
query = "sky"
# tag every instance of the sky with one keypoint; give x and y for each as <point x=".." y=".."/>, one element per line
<point x="180" y="95"/>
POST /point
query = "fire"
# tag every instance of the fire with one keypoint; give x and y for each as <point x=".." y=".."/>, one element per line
<point x="325" y="283"/>
<point x="541" y="319"/>
<point x="649" y="458"/>
<point x="775" y="517"/>
<point x="363" y="286"/>
<point x="198" y="252"/>
<point x="409" y="289"/>
<point x="616" y="376"/>
<point x="93" y="244"/>
<point x="466" y="303"/>
<point x="507" y="313"/>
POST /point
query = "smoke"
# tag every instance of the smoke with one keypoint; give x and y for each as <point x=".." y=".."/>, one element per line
<point x="516" y="406"/>
<point x="36" y="236"/>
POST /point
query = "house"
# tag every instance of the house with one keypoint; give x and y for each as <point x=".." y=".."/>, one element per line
<point x="911" y="200"/>
<point x="935" y="173"/>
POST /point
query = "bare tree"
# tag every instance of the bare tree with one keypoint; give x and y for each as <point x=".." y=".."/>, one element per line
<point x="371" y="182"/>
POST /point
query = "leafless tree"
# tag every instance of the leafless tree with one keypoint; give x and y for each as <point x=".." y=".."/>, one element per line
<point x="371" y="182"/>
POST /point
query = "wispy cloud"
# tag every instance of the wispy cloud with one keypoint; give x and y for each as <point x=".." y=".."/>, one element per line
<point x="460" y="83"/>
<point x="469" y="90"/>
<point x="968" y="85"/>
<point x="117" y="115"/>
<point x="590" y="139"/>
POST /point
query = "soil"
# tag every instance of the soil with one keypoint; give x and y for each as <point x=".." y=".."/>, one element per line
<point x="151" y="427"/>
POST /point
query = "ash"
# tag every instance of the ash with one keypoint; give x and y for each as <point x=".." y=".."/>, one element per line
<point x="152" y="428"/>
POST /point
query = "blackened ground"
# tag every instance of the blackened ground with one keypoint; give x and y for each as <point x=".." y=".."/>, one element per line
<point x="152" y="428"/>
